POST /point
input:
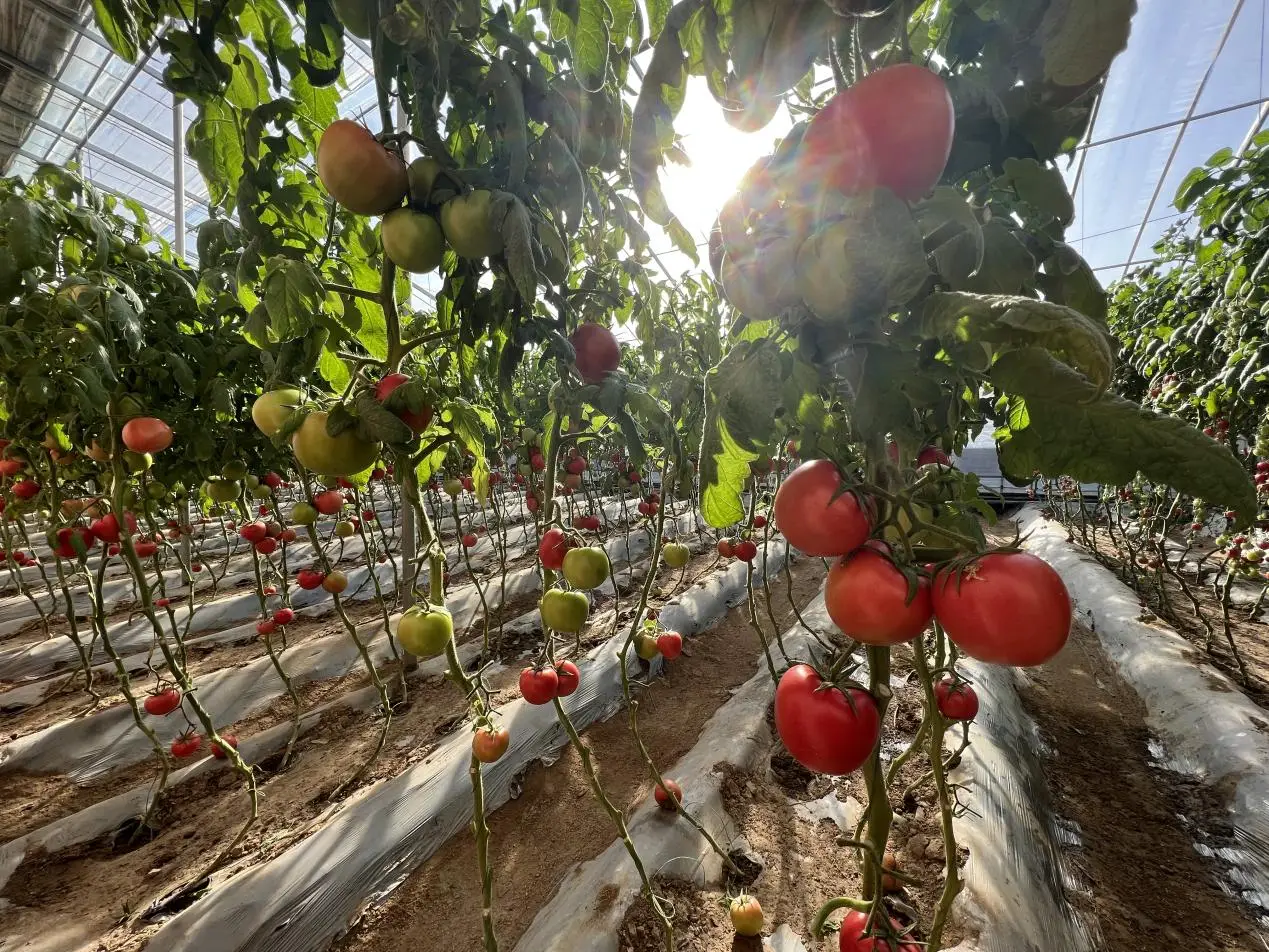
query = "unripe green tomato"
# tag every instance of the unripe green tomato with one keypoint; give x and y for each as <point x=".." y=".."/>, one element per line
<point x="529" y="435"/>
<point x="344" y="529"/>
<point x="260" y="492"/>
<point x="453" y="487"/>
<point x="586" y="567"/>
<point x="303" y="514"/>
<point x="425" y="632"/>
<point x="234" y="469"/>
<point x="137" y="462"/>
<point x="221" y="490"/>
<point x="645" y="646"/>
<point x="252" y="481"/>
<point x="676" y="554"/>
<point x="156" y="489"/>
<point x="564" y="612"/>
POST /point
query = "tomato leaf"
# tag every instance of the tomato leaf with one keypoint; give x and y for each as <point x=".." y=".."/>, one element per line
<point x="1067" y="279"/>
<point x="1060" y="424"/>
<point x="1041" y="187"/>
<point x="741" y="395"/>
<point x="119" y="27"/>
<point x="1003" y="319"/>
<point x="292" y="292"/>
<point x="1004" y="265"/>
<point x="517" y="238"/>
<point x="1079" y="38"/>
<point x="376" y="422"/>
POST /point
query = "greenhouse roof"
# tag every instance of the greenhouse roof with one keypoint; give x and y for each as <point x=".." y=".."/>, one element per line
<point x="1192" y="81"/>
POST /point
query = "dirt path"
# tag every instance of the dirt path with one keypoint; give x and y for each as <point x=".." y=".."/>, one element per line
<point x="1148" y="886"/>
<point x="556" y="822"/>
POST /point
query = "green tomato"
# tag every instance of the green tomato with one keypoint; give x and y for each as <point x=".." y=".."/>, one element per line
<point x="586" y="567"/>
<point x="425" y="632"/>
<point x="645" y="646"/>
<point x="676" y="554"/>
<point x="468" y="225"/>
<point x="234" y="469"/>
<point x="422" y="173"/>
<point x="137" y="462"/>
<point x="252" y="481"/>
<point x="524" y="469"/>
<point x="156" y="489"/>
<point x="564" y="611"/>
<point x="412" y="240"/>
<point x="221" y="491"/>
<point x="453" y="487"/>
<point x="271" y="410"/>
<point x="341" y="455"/>
<point x="344" y="529"/>
<point x="529" y="435"/>
<point x="303" y="514"/>
<point x="260" y="492"/>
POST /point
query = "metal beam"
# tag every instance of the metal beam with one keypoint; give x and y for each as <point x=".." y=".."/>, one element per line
<point x="61" y="16"/>
<point x="1185" y="124"/>
<point x="153" y="210"/>
<point x="178" y="176"/>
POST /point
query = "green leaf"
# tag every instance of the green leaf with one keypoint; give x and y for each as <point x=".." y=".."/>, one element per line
<point x="517" y="238"/>
<point x="741" y="395"/>
<point x="1005" y="265"/>
<point x="1043" y="188"/>
<point x="292" y="294"/>
<point x="333" y="370"/>
<point x="1065" y="427"/>
<point x="379" y="424"/>
<point x="119" y="27"/>
<point x="1080" y="38"/>
<point x="1067" y="279"/>
<point x="1002" y="319"/>
<point x="471" y="424"/>
<point x="214" y="141"/>
<point x="949" y="206"/>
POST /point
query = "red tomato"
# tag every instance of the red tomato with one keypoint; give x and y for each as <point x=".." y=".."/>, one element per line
<point x="65" y="544"/>
<point x="759" y="522"/>
<point x="266" y="627"/>
<point x="553" y="548"/>
<point x="489" y="744"/>
<point x="329" y="502"/>
<point x="569" y="678"/>
<point x="283" y="616"/>
<point x="726" y="548"/>
<point x="187" y="745"/>
<point x="957" y="701"/>
<point x="147" y="435"/>
<point x="144" y="549"/>
<point x="288" y="535"/>
<point x="219" y="752"/>
<point x="161" y="703"/>
<point x="26" y="488"/>
<point x="272" y="480"/>
<point x="107" y="527"/>
<point x="539" y="685"/>
<point x="416" y="420"/>
<point x="309" y="579"/>
<point x="668" y="797"/>
<point x="267" y="546"/>
<point x="892" y="129"/>
<point x="815" y="515"/>
<point x="867" y="598"/>
<point x="932" y="454"/>
<point x="852" y="938"/>
<point x="597" y="351"/>
<point x="745" y="550"/>
<point x="670" y="644"/>
<point x="823" y="730"/>
<point x="253" y="532"/>
<point x="469" y="540"/>
<point x="1005" y="608"/>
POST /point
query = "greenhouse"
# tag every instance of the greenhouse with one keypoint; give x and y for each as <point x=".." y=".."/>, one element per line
<point x="614" y="476"/>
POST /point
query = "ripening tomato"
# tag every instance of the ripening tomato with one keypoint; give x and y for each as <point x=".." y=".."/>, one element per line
<point x="335" y="582"/>
<point x="746" y="915"/>
<point x="266" y="546"/>
<point x="553" y="548"/>
<point x="957" y="701"/>
<point x="597" y="352"/>
<point x="870" y="600"/>
<point x="490" y="743"/>
<point x="253" y="532"/>
<point x="309" y="579"/>
<point x="852" y="937"/>
<point x="892" y="129"/>
<point x="823" y="730"/>
<point x="569" y="678"/>
<point x="669" y="796"/>
<point x="162" y="703"/>
<point x="932" y="454"/>
<point x="726" y="548"/>
<point x="327" y="503"/>
<point x="816" y="515"/>
<point x="539" y="685"/>
<point x="147" y="435"/>
<point x="1005" y="608"/>
<point x="144" y="548"/>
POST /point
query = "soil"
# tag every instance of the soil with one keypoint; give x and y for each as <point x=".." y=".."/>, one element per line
<point x="1147" y="885"/>
<point x="556" y="805"/>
